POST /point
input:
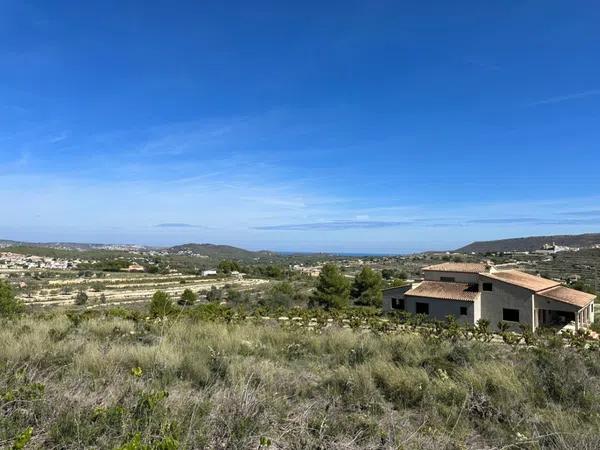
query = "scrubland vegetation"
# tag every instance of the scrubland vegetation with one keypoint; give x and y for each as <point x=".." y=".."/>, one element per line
<point x="210" y="378"/>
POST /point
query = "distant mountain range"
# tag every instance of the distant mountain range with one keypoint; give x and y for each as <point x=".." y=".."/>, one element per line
<point x="211" y="251"/>
<point x="529" y="244"/>
<point x="214" y="251"/>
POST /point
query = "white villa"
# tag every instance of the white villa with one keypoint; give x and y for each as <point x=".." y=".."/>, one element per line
<point x="472" y="291"/>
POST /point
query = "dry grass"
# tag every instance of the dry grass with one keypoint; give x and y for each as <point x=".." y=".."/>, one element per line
<point x="210" y="385"/>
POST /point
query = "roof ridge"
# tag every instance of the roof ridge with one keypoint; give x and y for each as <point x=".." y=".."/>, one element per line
<point x="552" y="287"/>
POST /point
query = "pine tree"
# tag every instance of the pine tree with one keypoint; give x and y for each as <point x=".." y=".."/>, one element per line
<point x="333" y="289"/>
<point x="366" y="289"/>
<point x="161" y="304"/>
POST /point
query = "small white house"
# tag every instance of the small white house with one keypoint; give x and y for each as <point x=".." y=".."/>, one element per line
<point x="206" y="273"/>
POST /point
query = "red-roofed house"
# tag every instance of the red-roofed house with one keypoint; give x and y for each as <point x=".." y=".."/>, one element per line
<point x="476" y="291"/>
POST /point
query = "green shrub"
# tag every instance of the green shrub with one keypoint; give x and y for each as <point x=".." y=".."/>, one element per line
<point x="563" y="377"/>
<point x="188" y="297"/>
<point x="81" y="298"/>
<point x="9" y="305"/>
<point x="161" y="304"/>
<point x="280" y="295"/>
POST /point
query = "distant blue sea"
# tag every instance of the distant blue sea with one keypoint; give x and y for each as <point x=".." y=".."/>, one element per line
<point x="288" y="253"/>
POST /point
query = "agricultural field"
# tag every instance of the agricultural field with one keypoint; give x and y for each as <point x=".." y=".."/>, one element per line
<point x="584" y="263"/>
<point x="125" y="288"/>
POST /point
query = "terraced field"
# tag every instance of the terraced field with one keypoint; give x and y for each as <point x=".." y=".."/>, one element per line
<point x="126" y="288"/>
<point x="585" y="263"/>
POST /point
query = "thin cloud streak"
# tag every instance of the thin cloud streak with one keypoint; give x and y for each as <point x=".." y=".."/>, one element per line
<point x="505" y="220"/>
<point x="333" y="225"/>
<point x="564" y="98"/>
<point x="177" y="225"/>
<point x="432" y="223"/>
<point x="534" y="221"/>
<point x="581" y="213"/>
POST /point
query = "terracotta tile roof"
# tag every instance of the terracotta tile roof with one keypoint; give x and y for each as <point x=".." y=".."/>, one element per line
<point x="567" y="295"/>
<point x="458" y="267"/>
<point x="522" y="279"/>
<point x="445" y="291"/>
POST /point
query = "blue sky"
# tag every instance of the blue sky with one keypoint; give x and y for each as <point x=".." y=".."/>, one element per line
<point x="375" y="126"/>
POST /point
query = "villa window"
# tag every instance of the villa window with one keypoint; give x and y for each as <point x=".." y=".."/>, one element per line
<point x="487" y="287"/>
<point x="463" y="310"/>
<point x="398" y="303"/>
<point x="510" y="315"/>
<point x="422" y="308"/>
<point x="448" y="279"/>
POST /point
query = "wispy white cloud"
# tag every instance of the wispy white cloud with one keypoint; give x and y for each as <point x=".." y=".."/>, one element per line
<point x="423" y="223"/>
<point x="14" y="109"/>
<point x="564" y="98"/>
<point x="482" y="63"/>
<point x="535" y="221"/>
<point x="177" y="225"/>
<point x="592" y="212"/>
<point x="335" y="225"/>
<point x="277" y="202"/>
<point x="505" y="220"/>
<point x="59" y="137"/>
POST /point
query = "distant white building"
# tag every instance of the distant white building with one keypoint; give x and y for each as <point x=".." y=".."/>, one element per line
<point x="550" y="249"/>
<point x="135" y="267"/>
<point x="313" y="271"/>
<point x="206" y="273"/>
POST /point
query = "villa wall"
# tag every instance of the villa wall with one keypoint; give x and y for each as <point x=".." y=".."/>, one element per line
<point x="388" y="294"/>
<point x="547" y="303"/>
<point x="439" y="309"/>
<point x="502" y="296"/>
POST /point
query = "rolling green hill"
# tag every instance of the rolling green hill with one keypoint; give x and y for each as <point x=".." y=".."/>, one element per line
<point x="214" y="251"/>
